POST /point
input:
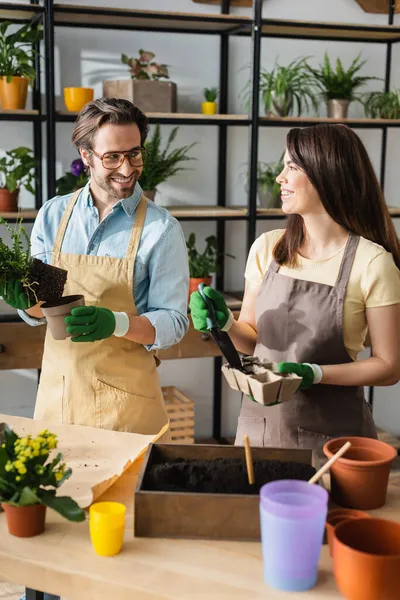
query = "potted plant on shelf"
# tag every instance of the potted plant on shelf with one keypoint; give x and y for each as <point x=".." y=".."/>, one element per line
<point x="17" y="51"/>
<point x="209" y="107"/>
<point x="286" y="88"/>
<point x="201" y="264"/>
<point x="40" y="281"/>
<point x="74" y="179"/>
<point x="338" y="86"/>
<point x="29" y="479"/>
<point x="144" y="88"/>
<point x="162" y="163"/>
<point x="268" y="190"/>
<point x="17" y="170"/>
<point x="383" y="105"/>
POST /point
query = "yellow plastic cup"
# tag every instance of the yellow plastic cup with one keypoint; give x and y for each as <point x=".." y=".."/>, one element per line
<point x="76" y="98"/>
<point x="107" y="525"/>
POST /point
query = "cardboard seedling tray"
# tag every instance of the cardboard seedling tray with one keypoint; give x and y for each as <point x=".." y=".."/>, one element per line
<point x="261" y="380"/>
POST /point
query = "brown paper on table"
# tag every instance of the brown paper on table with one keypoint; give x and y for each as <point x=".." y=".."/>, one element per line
<point x="97" y="457"/>
<point x="266" y="388"/>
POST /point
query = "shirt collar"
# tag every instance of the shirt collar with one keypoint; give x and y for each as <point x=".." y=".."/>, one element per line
<point x="128" y="204"/>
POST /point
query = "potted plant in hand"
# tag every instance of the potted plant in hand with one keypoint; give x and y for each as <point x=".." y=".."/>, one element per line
<point x="383" y="105"/>
<point x="39" y="280"/>
<point x="29" y="479"/>
<point x="144" y="88"/>
<point x="72" y="180"/>
<point x="285" y="88"/>
<point x="17" y="169"/>
<point x="162" y="163"/>
<point x="16" y="63"/>
<point x="338" y="86"/>
<point x="209" y="107"/>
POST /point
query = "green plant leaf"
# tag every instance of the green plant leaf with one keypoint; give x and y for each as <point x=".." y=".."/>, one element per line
<point x="64" y="505"/>
<point x="28" y="497"/>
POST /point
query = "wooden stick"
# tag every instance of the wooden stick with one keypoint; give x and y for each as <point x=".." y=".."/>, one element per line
<point x="330" y="462"/>
<point x="249" y="462"/>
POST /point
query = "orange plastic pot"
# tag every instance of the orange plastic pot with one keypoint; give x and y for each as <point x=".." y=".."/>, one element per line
<point x="336" y="516"/>
<point x="360" y="478"/>
<point x="25" y="521"/>
<point x="13" y="94"/>
<point x="195" y="281"/>
<point x="366" y="559"/>
<point x="76" y="98"/>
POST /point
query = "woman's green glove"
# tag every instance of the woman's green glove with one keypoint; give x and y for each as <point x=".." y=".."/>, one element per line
<point x="14" y="294"/>
<point x="90" y="323"/>
<point x="200" y="313"/>
<point x="310" y="374"/>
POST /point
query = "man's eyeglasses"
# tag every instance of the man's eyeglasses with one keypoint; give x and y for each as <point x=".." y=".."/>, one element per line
<point x="113" y="160"/>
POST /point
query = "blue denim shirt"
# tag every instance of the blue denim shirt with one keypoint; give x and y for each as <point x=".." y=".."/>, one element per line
<point x="161" y="278"/>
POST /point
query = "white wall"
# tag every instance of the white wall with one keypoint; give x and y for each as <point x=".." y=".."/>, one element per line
<point x="86" y="57"/>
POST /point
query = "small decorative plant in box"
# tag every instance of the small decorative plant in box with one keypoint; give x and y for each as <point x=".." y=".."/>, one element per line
<point x="29" y="478"/>
<point x="144" y="88"/>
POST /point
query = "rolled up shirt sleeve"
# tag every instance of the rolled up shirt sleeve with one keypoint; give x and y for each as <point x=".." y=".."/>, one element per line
<point x="168" y="289"/>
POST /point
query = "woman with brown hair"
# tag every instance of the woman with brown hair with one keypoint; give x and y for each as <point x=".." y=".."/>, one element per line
<point x="315" y="290"/>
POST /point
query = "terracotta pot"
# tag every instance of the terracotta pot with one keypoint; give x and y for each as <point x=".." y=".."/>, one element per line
<point x="55" y="313"/>
<point x="338" y="109"/>
<point x="25" y="521"/>
<point x="8" y="200"/>
<point x="337" y="516"/>
<point x="195" y="281"/>
<point x="360" y="478"/>
<point x="76" y="98"/>
<point x="13" y="94"/>
<point x="366" y="559"/>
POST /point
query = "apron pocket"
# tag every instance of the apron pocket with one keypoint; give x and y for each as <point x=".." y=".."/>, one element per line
<point x="254" y="427"/>
<point x="313" y="440"/>
<point x="50" y="399"/>
<point x="123" y="411"/>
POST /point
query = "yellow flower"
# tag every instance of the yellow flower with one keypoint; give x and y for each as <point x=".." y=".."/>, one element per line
<point x="9" y="466"/>
<point x="3" y="445"/>
<point x="22" y="458"/>
<point x="18" y="464"/>
<point x="22" y="470"/>
<point x="43" y="453"/>
<point x="59" y="476"/>
<point x="18" y="478"/>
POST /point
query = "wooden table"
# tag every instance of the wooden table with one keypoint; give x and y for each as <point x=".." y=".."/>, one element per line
<point x="62" y="561"/>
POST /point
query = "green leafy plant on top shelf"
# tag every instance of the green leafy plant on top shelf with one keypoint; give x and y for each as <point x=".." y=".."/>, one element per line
<point x="16" y="260"/>
<point x="144" y="67"/>
<point x="30" y="474"/>
<point x="163" y="163"/>
<point x="337" y="83"/>
<point x="17" y="169"/>
<point x="383" y="105"/>
<point x="17" y="50"/>
<point x="210" y="94"/>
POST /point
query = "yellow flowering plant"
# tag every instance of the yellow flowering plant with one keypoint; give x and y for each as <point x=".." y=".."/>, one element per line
<point x="29" y="475"/>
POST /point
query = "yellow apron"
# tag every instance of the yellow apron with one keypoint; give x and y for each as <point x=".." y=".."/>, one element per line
<point x="111" y="383"/>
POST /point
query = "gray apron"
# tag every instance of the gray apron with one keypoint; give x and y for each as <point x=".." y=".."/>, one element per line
<point x="302" y="321"/>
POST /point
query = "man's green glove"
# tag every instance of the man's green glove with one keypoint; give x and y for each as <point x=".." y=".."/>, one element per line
<point x="14" y="294"/>
<point x="90" y="323"/>
<point x="199" y="312"/>
<point x="310" y="374"/>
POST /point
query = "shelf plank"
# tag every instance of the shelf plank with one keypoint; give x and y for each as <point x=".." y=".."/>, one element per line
<point x="270" y="212"/>
<point x="26" y="214"/>
<point x="233" y="3"/>
<point x="11" y="11"/>
<point x="210" y="212"/>
<point x="351" y="122"/>
<point x="102" y="17"/>
<point x="175" y="118"/>
<point x="20" y="115"/>
<point x="323" y="30"/>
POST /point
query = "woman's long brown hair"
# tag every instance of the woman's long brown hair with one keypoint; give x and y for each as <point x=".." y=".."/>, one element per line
<point x="338" y="166"/>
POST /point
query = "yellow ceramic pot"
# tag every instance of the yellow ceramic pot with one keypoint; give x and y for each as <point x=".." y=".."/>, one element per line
<point x="208" y="108"/>
<point x="75" y="98"/>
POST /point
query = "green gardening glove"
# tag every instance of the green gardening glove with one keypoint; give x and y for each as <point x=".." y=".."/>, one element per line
<point x="90" y="323"/>
<point x="200" y="313"/>
<point x="302" y="370"/>
<point x="14" y="294"/>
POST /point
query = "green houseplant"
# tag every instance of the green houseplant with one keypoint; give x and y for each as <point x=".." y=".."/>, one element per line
<point x="201" y="264"/>
<point x="162" y="163"/>
<point x="286" y="88"/>
<point x="39" y="280"/>
<point x="338" y="86"/>
<point x="17" y="169"/>
<point x="383" y="105"/>
<point x="269" y="191"/>
<point x="74" y="179"/>
<point x="16" y="63"/>
<point x="29" y="479"/>
<point x="209" y="107"/>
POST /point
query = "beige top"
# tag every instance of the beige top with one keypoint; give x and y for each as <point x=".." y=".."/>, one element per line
<point x="63" y="562"/>
<point x="374" y="281"/>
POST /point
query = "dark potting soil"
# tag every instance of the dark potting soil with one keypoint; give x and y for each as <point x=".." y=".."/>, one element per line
<point x="221" y="475"/>
<point x="49" y="281"/>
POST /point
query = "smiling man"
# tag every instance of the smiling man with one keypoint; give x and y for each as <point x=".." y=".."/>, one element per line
<point x="128" y="257"/>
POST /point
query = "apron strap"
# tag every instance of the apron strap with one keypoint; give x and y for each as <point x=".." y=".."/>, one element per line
<point x="273" y="266"/>
<point x="64" y="223"/>
<point x="136" y="234"/>
<point x="347" y="262"/>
